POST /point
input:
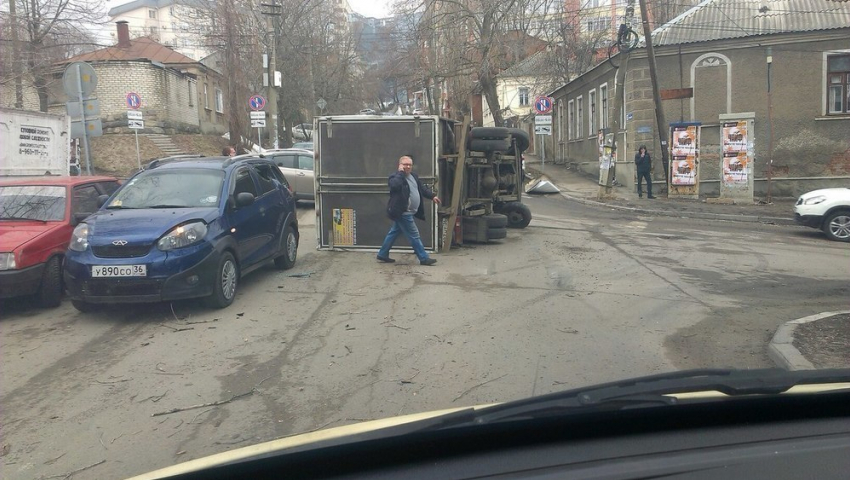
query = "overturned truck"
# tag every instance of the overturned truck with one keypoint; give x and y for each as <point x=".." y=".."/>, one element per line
<point x="476" y="172"/>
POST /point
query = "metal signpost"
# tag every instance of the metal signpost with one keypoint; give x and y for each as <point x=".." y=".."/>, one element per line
<point x="543" y="123"/>
<point x="79" y="81"/>
<point x="258" y="117"/>
<point x="135" y="120"/>
<point x="322" y="103"/>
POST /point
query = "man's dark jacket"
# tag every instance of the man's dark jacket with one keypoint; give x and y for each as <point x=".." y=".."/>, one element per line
<point x="643" y="164"/>
<point x="400" y="196"/>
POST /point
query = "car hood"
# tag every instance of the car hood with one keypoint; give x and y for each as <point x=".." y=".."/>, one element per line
<point x="830" y="193"/>
<point x="141" y="226"/>
<point x="15" y="233"/>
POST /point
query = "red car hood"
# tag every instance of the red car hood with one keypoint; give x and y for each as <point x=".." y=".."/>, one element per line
<point x="13" y="234"/>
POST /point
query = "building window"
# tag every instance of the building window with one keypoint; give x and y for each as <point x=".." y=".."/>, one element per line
<point x="571" y="119"/>
<point x="191" y="93"/>
<point x="523" y="96"/>
<point x="838" y="84"/>
<point x="151" y="13"/>
<point x="597" y="24"/>
<point x="603" y="99"/>
<point x="206" y="96"/>
<point x="591" y="112"/>
<point x="153" y="30"/>
<point x="579" y="116"/>
<point x="219" y="101"/>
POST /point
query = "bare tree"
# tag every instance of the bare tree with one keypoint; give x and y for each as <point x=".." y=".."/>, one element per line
<point x="43" y="32"/>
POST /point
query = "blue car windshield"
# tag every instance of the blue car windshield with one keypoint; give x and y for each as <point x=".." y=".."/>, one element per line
<point x="170" y="188"/>
<point x="32" y="202"/>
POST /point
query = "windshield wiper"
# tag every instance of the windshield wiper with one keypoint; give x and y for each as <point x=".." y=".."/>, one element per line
<point x="165" y="205"/>
<point x="119" y="207"/>
<point x="654" y="390"/>
<point x="24" y="218"/>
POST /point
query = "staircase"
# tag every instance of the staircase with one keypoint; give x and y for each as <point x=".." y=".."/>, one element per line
<point x="164" y="143"/>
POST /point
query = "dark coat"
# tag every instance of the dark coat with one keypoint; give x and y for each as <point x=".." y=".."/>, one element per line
<point x="400" y="196"/>
<point x="643" y="164"/>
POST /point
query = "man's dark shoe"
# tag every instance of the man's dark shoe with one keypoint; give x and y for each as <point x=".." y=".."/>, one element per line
<point x="651" y="197"/>
<point x="428" y="261"/>
<point x="385" y="259"/>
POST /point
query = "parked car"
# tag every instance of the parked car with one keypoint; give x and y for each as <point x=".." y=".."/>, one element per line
<point x="368" y="111"/>
<point x="157" y="240"/>
<point x="304" y="145"/>
<point x="296" y="164"/>
<point x="828" y="210"/>
<point x="37" y="216"/>
<point x="303" y="131"/>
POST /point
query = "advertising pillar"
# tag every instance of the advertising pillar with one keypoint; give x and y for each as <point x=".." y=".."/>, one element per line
<point x="737" y="148"/>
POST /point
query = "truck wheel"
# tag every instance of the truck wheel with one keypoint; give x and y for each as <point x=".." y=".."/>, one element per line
<point x="521" y="139"/>
<point x="225" y="282"/>
<point x="50" y="291"/>
<point x="837" y="226"/>
<point x="489" y="133"/>
<point x="496" y="220"/>
<point x="489" y="145"/>
<point x="497" y="233"/>
<point x="519" y="215"/>
<point x="290" y="249"/>
<point x="83" y="307"/>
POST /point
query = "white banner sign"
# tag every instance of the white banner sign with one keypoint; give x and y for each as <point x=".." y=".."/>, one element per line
<point x="543" y="120"/>
<point x="258" y="123"/>
<point x="134" y="115"/>
<point x="136" y="124"/>
<point x="261" y="115"/>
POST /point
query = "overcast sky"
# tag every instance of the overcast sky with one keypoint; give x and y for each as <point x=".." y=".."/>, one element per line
<point x="371" y="8"/>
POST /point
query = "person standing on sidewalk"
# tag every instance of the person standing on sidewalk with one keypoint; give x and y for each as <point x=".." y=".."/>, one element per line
<point x="643" y="163"/>
<point x="406" y="194"/>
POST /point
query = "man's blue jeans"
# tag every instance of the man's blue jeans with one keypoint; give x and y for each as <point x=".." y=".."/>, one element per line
<point x="407" y="225"/>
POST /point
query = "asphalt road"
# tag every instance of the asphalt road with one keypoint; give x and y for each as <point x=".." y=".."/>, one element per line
<point x="584" y="295"/>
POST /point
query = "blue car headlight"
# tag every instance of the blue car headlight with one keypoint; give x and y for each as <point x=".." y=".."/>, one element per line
<point x="182" y="236"/>
<point x="80" y="238"/>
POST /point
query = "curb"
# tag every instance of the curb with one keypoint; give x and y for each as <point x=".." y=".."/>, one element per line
<point x="781" y="348"/>
<point x="665" y="213"/>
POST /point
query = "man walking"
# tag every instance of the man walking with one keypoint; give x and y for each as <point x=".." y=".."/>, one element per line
<point x="406" y="194"/>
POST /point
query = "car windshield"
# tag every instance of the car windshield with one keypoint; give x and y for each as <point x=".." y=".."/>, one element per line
<point x="170" y="188"/>
<point x="36" y="202"/>
<point x="547" y="195"/>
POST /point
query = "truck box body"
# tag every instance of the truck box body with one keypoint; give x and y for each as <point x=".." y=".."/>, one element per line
<point x="33" y="143"/>
<point x="355" y="155"/>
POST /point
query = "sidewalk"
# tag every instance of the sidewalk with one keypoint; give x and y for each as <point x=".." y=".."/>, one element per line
<point x="816" y="341"/>
<point x="584" y="189"/>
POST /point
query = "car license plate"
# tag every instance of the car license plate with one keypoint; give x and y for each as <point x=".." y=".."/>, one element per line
<point x="119" y="271"/>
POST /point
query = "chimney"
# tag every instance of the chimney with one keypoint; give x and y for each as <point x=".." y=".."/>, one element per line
<point x="123" y="34"/>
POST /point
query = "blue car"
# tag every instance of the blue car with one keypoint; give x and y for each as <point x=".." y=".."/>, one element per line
<point x="183" y="228"/>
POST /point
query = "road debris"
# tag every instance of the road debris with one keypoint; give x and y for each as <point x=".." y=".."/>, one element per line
<point x="476" y="386"/>
<point x="70" y="474"/>
<point x="202" y="405"/>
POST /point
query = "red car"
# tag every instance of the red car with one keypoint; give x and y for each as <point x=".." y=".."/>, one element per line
<point x="37" y="216"/>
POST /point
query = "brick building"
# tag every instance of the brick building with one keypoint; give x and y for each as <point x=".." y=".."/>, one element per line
<point x="723" y="50"/>
<point x="179" y="95"/>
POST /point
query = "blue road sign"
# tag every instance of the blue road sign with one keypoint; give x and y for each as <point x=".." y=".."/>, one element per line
<point x="257" y="102"/>
<point x="134" y="101"/>
<point x="543" y="105"/>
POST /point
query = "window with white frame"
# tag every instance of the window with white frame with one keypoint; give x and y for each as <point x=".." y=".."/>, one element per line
<point x="579" y="116"/>
<point x="838" y="84"/>
<point x="571" y="119"/>
<point x="191" y="86"/>
<point x="560" y="120"/>
<point x="523" y="96"/>
<point x="206" y="96"/>
<point x="603" y="101"/>
<point x="151" y="13"/>
<point x="597" y="24"/>
<point x="219" y="101"/>
<point x="591" y="112"/>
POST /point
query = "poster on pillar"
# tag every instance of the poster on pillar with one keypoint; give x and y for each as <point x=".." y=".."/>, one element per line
<point x="684" y="141"/>
<point x="684" y="170"/>
<point x="684" y="157"/>
<point x="735" y="168"/>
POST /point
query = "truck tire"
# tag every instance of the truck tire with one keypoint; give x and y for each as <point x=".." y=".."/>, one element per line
<point x="489" y="145"/>
<point x="496" y="220"/>
<point x="50" y="291"/>
<point x="521" y="139"/>
<point x="497" y="233"/>
<point x="489" y="133"/>
<point x="519" y="215"/>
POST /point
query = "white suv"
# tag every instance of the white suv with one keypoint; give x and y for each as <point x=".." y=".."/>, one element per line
<point x="828" y="210"/>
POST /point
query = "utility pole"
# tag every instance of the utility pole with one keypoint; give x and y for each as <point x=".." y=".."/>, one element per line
<point x="273" y="10"/>
<point x="661" y="123"/>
